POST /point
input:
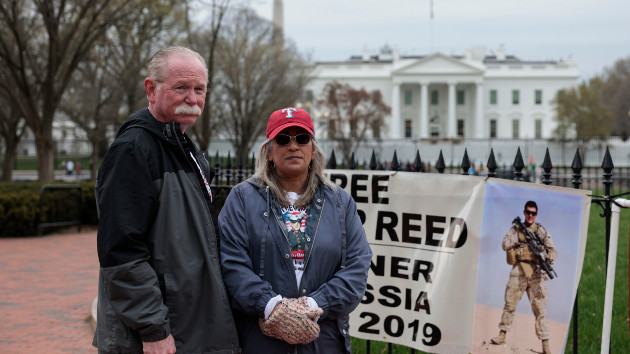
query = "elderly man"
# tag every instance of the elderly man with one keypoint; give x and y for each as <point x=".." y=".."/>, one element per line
<point x="160" y="286"/>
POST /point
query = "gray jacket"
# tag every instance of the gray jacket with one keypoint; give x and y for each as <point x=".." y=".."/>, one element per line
<point x="157" y="245"/>
<point x="257" y="264"/>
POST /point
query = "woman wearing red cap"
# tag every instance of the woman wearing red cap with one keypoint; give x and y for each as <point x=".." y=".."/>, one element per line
<point x="294" y="254"/>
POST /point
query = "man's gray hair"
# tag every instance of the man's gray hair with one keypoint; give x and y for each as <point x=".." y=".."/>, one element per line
<point x="157" y="69"/>
<point x="267" y="175"/>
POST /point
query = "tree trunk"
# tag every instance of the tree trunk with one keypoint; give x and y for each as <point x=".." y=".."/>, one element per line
<point x="9" y="159"/>
<point x="45" y="158"/>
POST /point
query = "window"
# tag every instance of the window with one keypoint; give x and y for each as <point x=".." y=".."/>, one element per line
<point x="493" y="128"/>
<point x="434" y="125"/>
<point x="376" y="97"/>
<point x="434" y="97"/>
<point x="460" y="97"/>
<point x="407" y="97"/>
<point x="538" y="97"/>
<point x="408" y="128"/>
<point x="515" y="126"/>
<point x="493" y="96"/>
<point x="460" y="127"/>
<point x="538" y="128"/>
<point x="515" y="96"/>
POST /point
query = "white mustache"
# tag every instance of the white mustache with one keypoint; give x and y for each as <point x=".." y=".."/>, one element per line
<point x="187" y="109"/>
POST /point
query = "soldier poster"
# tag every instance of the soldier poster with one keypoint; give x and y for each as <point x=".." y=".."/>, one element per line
<point x="436" y="240"/>
<point x="541" y="311"/>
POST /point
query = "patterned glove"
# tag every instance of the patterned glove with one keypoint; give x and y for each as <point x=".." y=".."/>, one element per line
<point x="292" y="321"/>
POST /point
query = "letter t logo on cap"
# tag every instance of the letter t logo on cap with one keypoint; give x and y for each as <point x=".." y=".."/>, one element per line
<point x="289" y="111"/>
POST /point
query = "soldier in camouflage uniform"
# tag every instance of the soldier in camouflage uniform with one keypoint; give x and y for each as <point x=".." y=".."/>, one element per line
<point x="526" y="275"/>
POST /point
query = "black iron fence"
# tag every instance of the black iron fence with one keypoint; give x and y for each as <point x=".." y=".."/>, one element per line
<point x="229" y="171"/>
<point x="598" y="179"/>
<point x="561" y="151"/>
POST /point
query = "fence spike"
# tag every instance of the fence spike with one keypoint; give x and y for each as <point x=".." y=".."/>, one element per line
<point x="607" y="166"/>
<point x="353" y="163"/>
<point x="518" y="165"/>
<point x="465" y="162"/>
<point x="492" y="164"/>
<point x="217" y="164"/>
<point x="253" y="165"/>
<point x="229" y="161"/>
<point x="607" y="163"/>
<point x="373" y="164"/>
<point x="332" y="161"/>
<point x="577" y="169"/>
<point x="577" y="161"/>
<point x="417" y="163"/>
<point x="547" y="166"/>
<point x="395" y="164"/>
<point x="439" y="165"/>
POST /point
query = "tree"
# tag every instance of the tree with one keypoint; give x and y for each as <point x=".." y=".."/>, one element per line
<point x="254" y="78"/>
<point x="616" y="95"/>
<point x="134" y="42"/>
<point x="581" y="112"/>
<point x="12" y="128"/>
<point x="204" y="40"/>
<point x="352" y="114"/>
<point x="114" y="72"/>
<point x="95" y="112"/>
<point x="41" y="44"/>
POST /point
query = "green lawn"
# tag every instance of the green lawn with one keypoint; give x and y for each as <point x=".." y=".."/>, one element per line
<point x="590" y="294"/>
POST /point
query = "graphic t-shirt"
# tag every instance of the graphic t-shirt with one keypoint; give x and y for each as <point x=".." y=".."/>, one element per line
<point x="295" y="219"/>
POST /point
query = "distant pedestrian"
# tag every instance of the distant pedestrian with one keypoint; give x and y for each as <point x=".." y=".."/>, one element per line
<point x="69" y="167"/>
<point x="78" y="168"/>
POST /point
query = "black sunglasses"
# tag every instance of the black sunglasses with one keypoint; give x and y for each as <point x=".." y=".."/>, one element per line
<point x="533" y="213"/>
<point x="283" y="139"/>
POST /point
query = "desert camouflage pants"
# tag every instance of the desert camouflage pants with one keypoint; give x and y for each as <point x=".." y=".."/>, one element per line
<point x="537" y="294"/>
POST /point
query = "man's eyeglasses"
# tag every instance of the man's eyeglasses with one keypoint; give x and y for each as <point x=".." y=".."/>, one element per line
<point x="284" y="139"/>
<point x="532" y="213"/>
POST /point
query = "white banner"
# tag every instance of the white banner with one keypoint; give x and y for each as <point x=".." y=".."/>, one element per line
<point x="438" y="273"/>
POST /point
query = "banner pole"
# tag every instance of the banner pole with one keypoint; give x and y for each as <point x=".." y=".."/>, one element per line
<point x="610" y="275"/>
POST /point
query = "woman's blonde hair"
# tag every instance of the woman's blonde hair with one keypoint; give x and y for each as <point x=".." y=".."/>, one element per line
<point x="268" y="176"/>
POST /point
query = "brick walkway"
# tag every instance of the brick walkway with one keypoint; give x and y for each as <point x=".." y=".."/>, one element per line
<point x="47" y="285"/>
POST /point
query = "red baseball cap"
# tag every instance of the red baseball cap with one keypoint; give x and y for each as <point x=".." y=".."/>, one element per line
<point x="288" y="117"/>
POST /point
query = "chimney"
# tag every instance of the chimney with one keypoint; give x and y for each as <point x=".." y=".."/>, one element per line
<point x="501" y="52"/>
<point x="366" y="53"/>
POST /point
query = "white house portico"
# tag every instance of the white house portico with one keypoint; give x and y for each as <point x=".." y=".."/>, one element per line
<point x="432" y="74"/>
<point x="473" y="96"/>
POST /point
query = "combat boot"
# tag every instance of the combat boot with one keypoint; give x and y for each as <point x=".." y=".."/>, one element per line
<point x="546" y="349"/>
<point x="500" y="339"/>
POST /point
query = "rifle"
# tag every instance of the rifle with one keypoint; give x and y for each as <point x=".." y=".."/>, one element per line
<point x="536" y="244"/>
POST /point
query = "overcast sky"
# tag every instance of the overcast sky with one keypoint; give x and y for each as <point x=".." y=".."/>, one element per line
<point x="594" y="33"/>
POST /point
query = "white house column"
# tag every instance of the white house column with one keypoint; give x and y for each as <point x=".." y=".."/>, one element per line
<point x="424" y="110"/>
<point x="479" y="118"/>
<point x="452" y="124"/>
<point x="395" y="131"/>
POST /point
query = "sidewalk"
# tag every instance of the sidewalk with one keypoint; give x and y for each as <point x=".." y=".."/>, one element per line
<point x="47" y="285"/>
<point x="31" y="175"/>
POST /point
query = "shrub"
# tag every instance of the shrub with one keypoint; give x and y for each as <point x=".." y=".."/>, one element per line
<point x="20" y="207"/>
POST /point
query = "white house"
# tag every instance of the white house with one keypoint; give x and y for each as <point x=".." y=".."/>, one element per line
<point x="477" y="95"/>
